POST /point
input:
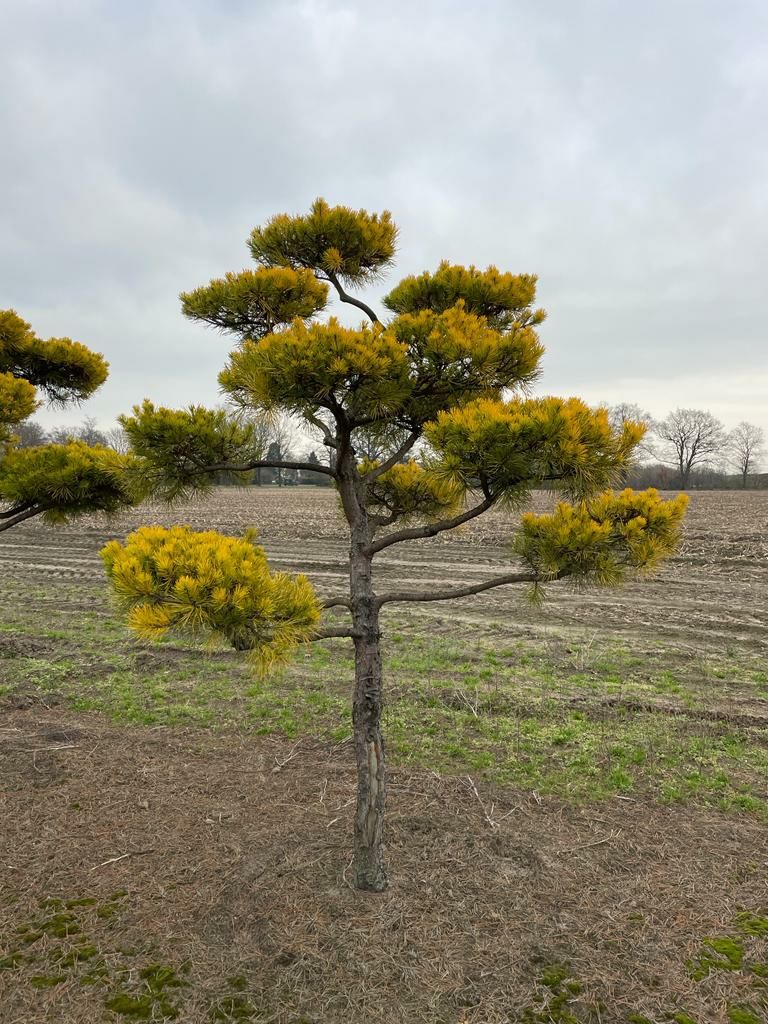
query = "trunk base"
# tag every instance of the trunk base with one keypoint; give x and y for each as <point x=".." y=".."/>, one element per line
<point x="371" y="879"/>
<point x="370" y="873"/>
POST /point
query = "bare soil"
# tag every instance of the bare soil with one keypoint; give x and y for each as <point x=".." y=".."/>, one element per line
<point x="231" y="857"/>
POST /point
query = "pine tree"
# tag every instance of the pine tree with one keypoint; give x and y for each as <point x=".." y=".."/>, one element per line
<point x="445" y="377"/>
<point x="55" y="481"/>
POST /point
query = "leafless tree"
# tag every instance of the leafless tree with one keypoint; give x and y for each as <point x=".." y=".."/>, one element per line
<point x="88" y="432"/>
<point x="62" y="435"/>
<point x="274" y="436"/>
<point x="30" y="434"/>
<point x="117" y="439"/>
<point x="282" y="438"/>
<point x="689" y="438"/>
<point x="630" y="412"/>
<point x="745" y="448"/>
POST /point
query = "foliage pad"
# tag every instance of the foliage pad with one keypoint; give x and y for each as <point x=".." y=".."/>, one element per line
<point x="207" y="584"/>
<point x="58" y="481"/>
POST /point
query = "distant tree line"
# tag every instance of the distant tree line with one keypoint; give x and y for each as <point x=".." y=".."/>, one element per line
<point x="31" y="434"/>
<point x="275" y="438"/>
<point x="691" y="448"/>
<point x="687" y="449"/>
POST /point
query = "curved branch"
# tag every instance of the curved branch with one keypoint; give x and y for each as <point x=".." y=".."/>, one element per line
<point x="328" y="438"/>
<point x="431" y="529"/>
<point x="393" y="459"/>
<point x="337" y="602"/>
<point x="474" y="588"/>
<point x="334" y="631"/>
<point x="350" y="298"/>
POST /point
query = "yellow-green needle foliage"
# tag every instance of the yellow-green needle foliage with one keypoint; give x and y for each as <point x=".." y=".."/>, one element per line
<point x="254" y="302"/>
<point x="455" y="356"/>
<point x="63" y="481"/>
<point x="18" y="399"/>
<point x="365" y="369"/>
<point x="410" y="491"/>
<point x="181" y="449"/>
<point x="523" y="443"/>
<point x="209" y="585"/>
<point x="405" y="372"/>
<point x="603" y="539"/>
<point x="427" y="423"/>
<point x="59" y="481"/>
<point x="62" y="369"/>
<point x="505" y="300"/>
<point x="351" y="245"/>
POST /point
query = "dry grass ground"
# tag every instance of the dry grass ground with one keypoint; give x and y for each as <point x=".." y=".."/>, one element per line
<point x="577" y="810"/>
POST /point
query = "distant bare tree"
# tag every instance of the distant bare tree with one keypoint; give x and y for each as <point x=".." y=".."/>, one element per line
<point x="630" y="412"/>
<point x="30" y="434"/>
<point x="282" y="434"/>
<point x="274" y="436"/>
<point x="62" y="435"/>
<point x="88" y="432"/>
<point x="627" y="412"/>
<point x="689" y="438"/>
<point x="745" y="448"/>
<point x="117" y="439"/>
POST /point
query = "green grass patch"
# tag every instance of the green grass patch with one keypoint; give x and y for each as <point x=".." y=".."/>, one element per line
<point x="529" y="710"/>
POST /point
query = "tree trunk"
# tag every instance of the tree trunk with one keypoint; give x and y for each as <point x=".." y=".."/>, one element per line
<point x="370" y="873"/>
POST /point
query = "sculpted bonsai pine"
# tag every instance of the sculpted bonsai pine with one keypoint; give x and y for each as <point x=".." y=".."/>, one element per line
<point x="444" y="376"/>
<point x="55" y="481"/>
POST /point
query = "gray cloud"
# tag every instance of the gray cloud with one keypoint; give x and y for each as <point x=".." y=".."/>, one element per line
<point x="618" y="150"/>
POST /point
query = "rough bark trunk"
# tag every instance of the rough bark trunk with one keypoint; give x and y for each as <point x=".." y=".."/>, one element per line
<point x="370" y="872"/>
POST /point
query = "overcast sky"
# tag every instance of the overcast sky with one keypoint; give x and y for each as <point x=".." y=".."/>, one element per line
<point x="619" y="150"/>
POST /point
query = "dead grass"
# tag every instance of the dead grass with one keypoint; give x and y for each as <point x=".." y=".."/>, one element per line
<point x="235" y="880"/>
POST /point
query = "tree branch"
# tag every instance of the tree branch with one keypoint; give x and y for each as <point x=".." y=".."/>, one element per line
<point x="20" y="517"/>
<point x="431" y="529"/>
<point x="334" y="631"/>
<point x="325" y="430"/>
<point x="350" y="298"/>
<point x="379" y="521"/>
<point x="393" y="459"/>
<point x="337" y="602"/>
<point x="474" y="588"/>
<point x="228" y="467"/>
<point x="11" y="512"/>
